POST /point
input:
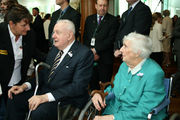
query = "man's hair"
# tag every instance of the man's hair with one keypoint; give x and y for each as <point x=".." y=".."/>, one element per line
<point x="106" y="0"/>
<point x="68" y="1"/>
<point x="11" y="3"/>
<point x="47" y="16"/>
<point x="37" y="9"/>
<point x="69" y="24"/>
<point x="140" y="43"/>
<point x="166" y="13"/>
<point x="17" y="13"/>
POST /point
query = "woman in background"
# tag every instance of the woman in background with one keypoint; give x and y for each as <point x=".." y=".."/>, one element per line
<point x="156" y="34"/>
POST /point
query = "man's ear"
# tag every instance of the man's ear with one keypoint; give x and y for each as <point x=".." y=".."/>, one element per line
<point x="11" y="23"/>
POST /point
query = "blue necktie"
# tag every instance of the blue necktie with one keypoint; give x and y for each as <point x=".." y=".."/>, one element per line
<point x="61" y="14"/>
<point x="129" y="10"/>
<point x="55" y="64"/>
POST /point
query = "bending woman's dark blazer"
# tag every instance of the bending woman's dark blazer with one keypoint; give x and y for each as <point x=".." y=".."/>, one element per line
<point x="7" y="61"/>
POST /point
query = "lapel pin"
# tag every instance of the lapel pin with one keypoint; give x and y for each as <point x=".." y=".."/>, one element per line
<point x="70" y="53"/>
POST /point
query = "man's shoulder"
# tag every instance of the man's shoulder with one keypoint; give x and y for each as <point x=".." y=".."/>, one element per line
<point x="141" y="5"/>
<point x="80" y="46"/>
<point x="73" y="10"/>
<point x="111" y="17"/>
<point x="90" y="17"/>
<point x="56" y="12"/>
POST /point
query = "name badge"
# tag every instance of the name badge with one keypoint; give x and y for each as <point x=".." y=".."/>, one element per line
<point x="93" y="41"/>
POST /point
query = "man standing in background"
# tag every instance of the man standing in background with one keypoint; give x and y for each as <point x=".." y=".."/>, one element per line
<point x="65" y="12"/>
<point x="99" y="35"/>
<point x="37" y="25"/>
<point x="137" y="18"/>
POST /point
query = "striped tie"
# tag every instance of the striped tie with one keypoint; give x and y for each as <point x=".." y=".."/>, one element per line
<point x="56" y="61"/>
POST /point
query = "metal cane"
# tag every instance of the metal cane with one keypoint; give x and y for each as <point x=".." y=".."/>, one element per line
<point x="37" y="81"/>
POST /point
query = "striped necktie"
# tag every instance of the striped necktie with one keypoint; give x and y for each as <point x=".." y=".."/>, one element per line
<point x="55" y="64"/>
<point x="100" y="18"/>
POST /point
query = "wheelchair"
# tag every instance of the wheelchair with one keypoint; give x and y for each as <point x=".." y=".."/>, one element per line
<point x="89" y="111"/>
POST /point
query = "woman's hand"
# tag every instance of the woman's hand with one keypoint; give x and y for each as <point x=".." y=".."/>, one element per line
<point x="98" y="102"/>
<point x="105" y="117"/>
<point x="16" y="90"/>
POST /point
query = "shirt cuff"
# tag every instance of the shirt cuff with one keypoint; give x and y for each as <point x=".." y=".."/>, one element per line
<point x="50" y="97"/>
<point x="0" y="90"/>
<point x="28" y="86"/>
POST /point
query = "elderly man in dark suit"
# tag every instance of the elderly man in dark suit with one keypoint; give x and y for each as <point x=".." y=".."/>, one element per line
<point x="17" y="48"/>
<point x="65" y="12"/>
<point x="137" y="18"/>
<point x="99" y="35"/>
<point x="67" y="80"/>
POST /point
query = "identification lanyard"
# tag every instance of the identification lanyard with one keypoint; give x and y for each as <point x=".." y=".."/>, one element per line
<point x="93" y="40"/>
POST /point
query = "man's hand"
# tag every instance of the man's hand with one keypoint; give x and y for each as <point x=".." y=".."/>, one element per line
<point x="36" y="100"/>
<point x="98" y="102"/>
<point x="93" y="50"/>
<point x="117" y="53"/>
<point x="96" y="56"/>
<point x="16" y="90"/>
<point x="105" y="117"/>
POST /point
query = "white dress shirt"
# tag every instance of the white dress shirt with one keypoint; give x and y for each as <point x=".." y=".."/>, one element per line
<point x="18" y="55"/>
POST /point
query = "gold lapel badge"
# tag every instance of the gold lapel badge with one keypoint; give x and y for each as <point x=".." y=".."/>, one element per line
<point x="3" y="52"/>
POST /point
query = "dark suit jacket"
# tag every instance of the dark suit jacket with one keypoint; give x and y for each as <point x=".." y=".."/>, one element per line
<point x="139" y="20"/>
<point x="7" y="61"/>
<point x="176" y="35"/>
<point x="70" y="14"/>
<point x="37" y="25"/>
<point x="69" y="82"/>
<point x="104" y="36"/>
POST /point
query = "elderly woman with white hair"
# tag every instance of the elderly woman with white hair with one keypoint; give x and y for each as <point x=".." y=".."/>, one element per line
<point x="138" y="85"/>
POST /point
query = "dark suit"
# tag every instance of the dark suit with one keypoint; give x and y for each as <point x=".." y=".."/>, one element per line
<point x="139" y="20"/>
<point x="37" y="25"/>
<point x="8" y="62"/>
<point x="176" y="35"/>
<point x="70" y="14"/>
<point x="68" y="84"/>
<point x="105" y="37"/>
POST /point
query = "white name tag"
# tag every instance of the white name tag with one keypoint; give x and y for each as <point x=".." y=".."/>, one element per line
<point x="93" y="41"/>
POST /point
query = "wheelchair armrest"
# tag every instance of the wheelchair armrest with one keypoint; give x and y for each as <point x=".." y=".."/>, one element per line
<point x="158" y="108"/>
<point x="161" y="106"/>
